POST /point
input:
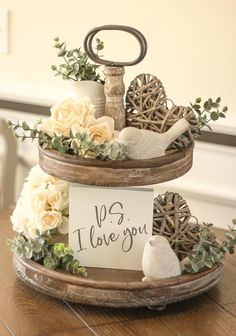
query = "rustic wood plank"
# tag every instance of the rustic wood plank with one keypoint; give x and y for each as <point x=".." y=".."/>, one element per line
<point x="71" y="170"/>
<point x="199" y="316"/>
<point x="231" y="307"/>
<point x="225" y="291"/>
<point x="75" y="332"/>
<point x="149" y="327"/>
<point x="3" y="329"/>
<point x="6" y="228"/>
<point x="96" y="316"/>
<point x="27" y="312"/>
<point x="5" y="214"/>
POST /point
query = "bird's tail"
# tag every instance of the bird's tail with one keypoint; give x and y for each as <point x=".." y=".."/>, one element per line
<point x="176" y="130"/>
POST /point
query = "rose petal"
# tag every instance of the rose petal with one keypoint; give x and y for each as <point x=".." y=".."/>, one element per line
<point x="64" y="227"/>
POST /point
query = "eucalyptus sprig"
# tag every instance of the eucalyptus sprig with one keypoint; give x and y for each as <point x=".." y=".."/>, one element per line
<point x="209" y="252"/>
<point x="79" y="144"/>
<point x="76" y="65"/>
<point x="207" y="111"/>
<point x="52" y="256"/>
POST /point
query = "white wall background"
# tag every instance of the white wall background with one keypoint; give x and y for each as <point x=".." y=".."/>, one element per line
<point x="191" y="44"/>
<point x="192" y="49"/>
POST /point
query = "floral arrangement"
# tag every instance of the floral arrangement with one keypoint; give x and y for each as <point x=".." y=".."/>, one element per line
<point x="209" y="252"/>
<point x="207" y="111"/>
<point x="42" y="211"/>
<point x="76" y="64"/>
<point x="43" y="205"/>
<point x="72" y="128"/>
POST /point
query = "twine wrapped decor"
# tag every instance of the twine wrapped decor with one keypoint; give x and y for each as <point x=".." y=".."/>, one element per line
<point x="146" y="108"/>
<point x="171" y="219"/>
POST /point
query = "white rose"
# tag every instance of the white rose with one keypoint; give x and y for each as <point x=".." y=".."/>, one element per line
<point x="38" y="199"/>
<point x="58" y="200"/>
<point x="102" y="130"/>
<point x="64" y="227"/>
<point x="86" y="113"/>
<point x="60" y="185"/>
<point x="30" y="226"/>
<point x="52" y="127"/>
<point x="66" y="112"/>
<point x="49" y="220"/>
<point x="18" y="217"/>
<point x="37" y="177"/>
<point x="23" y="221"/>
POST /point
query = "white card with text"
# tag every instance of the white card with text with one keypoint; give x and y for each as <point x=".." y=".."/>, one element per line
<point x="110" y="226"/>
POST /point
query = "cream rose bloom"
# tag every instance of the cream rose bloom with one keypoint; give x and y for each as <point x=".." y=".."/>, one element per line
<point x="43" y="204"/>
<point x="64" y="227"/>
<point x="23" y="220"/>
<point x="66" y="114"/>
<point x="102" y="130"/>
<point x="51" y="128"/>
<point x="38" y="199"/>
<point x="18" y="217"/>
<point x="49" y="220"/>
<point x="36" y="178"/>
<point x="58" y="200"/>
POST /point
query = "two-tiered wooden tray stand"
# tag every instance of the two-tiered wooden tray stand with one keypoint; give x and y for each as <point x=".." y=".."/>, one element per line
<point x="111" y="287"/>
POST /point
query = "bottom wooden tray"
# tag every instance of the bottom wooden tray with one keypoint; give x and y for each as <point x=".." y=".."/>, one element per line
<point x="114" y="288"/>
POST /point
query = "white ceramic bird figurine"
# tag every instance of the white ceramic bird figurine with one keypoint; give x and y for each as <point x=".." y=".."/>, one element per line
<point x="159" y="260"/>
<point x="145" y="144"/>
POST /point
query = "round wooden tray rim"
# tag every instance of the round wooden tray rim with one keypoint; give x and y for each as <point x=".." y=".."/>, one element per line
<point x="171" y="156"/>
<point x="135" y="285"/>
<point x="116" y="173"/>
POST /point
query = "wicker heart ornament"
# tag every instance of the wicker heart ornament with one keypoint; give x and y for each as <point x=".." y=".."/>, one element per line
<point x="171" y="219"/>
<point x="146" y="108"/>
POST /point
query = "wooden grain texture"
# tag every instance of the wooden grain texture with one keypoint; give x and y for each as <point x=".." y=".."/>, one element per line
<point x="95" y="316"/>
<point x="231" y="307"/>
<point x="118" y="174"/>
<point x="150" y="327"/>
<point x="4" y="331"/>
<point x="124" y="292"/>
<point x="200" y="317"/>
<point x="114" y="90"/>
<point x="25" y="311"/>
<point x="225" y="292"/>
<point x="75" y="332"/>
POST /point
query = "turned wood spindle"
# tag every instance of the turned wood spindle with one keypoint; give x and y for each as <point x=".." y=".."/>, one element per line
<point x="114" y="91"/>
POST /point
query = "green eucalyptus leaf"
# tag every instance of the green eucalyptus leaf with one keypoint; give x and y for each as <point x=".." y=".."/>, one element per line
<point x="215" y="105"/>
<point x="61" y="53"/>
<point x="195" y="266"/>
<point x="222" y="115"/>
<point x="208" y="263"/>
<point x="206" y="106"/>
<point x="214" y="116"/>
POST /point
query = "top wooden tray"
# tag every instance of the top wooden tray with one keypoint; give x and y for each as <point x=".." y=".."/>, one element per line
<point x="116" y="173"/>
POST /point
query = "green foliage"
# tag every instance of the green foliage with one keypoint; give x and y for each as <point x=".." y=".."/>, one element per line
<point x="209" y="252"/>
<point x="208" y="111"/>
<point x="76" y="65"/>
<point x="80" y="145"/>
<point x="52" y="256"/>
